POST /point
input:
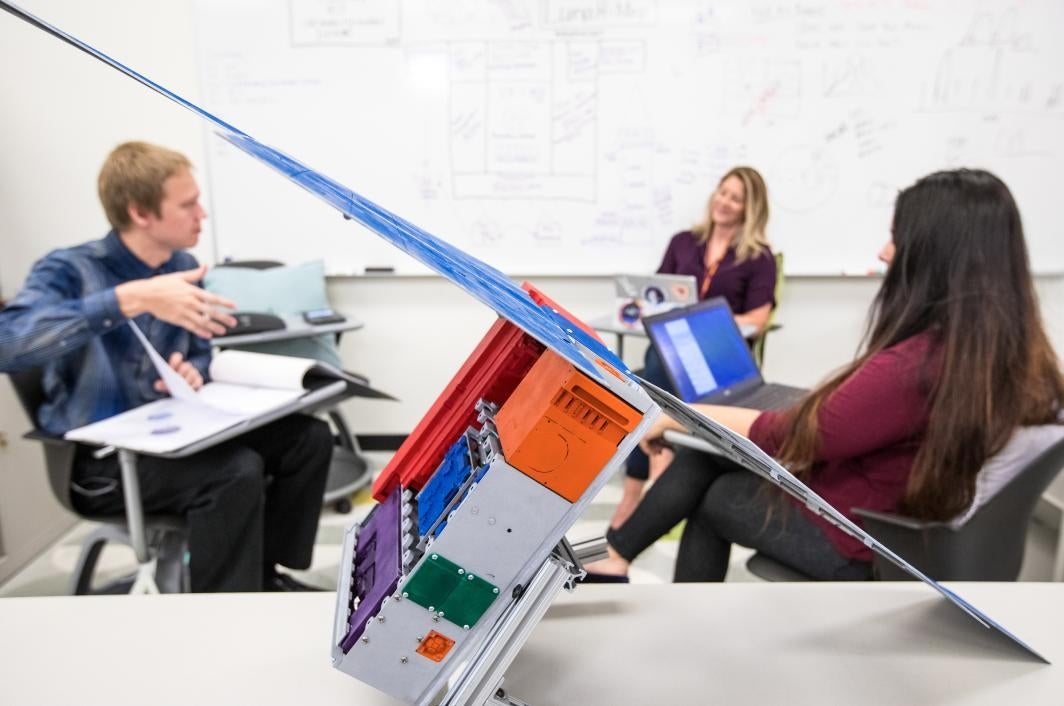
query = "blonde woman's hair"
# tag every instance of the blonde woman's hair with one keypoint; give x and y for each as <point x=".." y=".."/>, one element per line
<point x="752" y="239"/>
<point x="133" y="174"/>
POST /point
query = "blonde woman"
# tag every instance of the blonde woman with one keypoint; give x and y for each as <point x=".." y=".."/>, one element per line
<point x="729" y="256"/>
<point x="728" y="252"/>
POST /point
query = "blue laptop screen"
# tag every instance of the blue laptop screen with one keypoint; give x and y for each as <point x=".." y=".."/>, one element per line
<point x="704" y="351"/>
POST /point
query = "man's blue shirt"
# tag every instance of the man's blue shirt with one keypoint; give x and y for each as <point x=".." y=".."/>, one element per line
<point x="66" y="320"/>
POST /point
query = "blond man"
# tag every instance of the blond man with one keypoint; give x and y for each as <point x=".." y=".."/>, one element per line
<point x="69" y="320"/>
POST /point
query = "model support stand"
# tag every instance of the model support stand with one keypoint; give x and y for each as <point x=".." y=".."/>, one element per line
<point x="482" y="681"/>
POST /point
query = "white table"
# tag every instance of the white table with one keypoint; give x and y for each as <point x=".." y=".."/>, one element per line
<point x="874" y="643"/>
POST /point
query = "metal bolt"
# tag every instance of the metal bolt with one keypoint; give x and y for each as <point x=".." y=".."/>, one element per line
<point x="470" y="577"/>
<point x="465" y="627"/>
<point x="405" y="594"/>
<point x="432" y="609"/>
<point x="403" y="659"/>
<point x="435" y="557"/>
<point x="380" y="618"/>
<point x="435" y="618"/>
<point x="365" y="640"/>
<point x="461" y="571"/>
<point x="494" y="590"/>
<point x="420" y="638"/>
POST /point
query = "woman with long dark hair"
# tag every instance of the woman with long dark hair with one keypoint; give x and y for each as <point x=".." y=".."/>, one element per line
<point x="955" y="359"/>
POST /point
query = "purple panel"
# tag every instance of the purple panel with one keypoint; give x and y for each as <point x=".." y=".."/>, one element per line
<point x="378" y="565"/>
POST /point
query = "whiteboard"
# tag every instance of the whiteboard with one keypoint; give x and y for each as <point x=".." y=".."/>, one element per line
<point x="576" y="136"/>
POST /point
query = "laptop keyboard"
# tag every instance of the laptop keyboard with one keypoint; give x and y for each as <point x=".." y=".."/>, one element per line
<point x="771" y="396"/>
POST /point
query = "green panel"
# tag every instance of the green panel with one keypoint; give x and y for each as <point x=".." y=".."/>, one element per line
<point x="446" y="588"/>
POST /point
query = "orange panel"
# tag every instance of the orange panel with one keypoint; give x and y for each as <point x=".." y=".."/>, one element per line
<point x="435" y="646"/>
<point x="560" y="427"/>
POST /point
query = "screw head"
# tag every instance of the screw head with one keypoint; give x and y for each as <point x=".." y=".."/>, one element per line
<point x="403" y="659"/>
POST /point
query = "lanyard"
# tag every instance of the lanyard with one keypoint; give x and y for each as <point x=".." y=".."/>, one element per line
<point x="710" y="271"/>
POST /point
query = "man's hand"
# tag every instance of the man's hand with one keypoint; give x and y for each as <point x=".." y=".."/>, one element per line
<point x="176" y="300"/>
<point x="185" y="369"/>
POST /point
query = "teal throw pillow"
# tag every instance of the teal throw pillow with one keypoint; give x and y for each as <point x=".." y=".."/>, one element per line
<point x="283" y="291"/>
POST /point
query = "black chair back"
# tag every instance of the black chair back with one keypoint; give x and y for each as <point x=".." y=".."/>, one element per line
<point x="58" y="454"/>
<point x="989" y="546"/>
<point x="29" y="387"/>
<point x="251" y="264"/>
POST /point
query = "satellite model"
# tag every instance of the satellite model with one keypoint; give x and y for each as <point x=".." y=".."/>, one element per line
<point x="442" y="583"/>
<point x="466" y="545"/>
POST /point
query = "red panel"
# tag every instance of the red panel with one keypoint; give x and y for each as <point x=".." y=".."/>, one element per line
<point x="543" y="300"/>
<point x="491" y="372"/>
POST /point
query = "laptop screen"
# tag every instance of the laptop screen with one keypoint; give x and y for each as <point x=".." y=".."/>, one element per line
<point x="702" y="350"/>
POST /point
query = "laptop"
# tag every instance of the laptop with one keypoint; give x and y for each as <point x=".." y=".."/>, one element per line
<point x="645" y="295"/>
<point x="708" y="360"/>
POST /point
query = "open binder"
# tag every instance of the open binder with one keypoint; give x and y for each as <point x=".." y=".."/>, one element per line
<point x="244" y="387"/>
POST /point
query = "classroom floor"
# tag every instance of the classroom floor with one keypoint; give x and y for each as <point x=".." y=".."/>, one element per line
<point x="49" y="574"/>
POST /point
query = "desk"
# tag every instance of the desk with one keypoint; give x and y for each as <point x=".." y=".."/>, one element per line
<point x="145" y="580"/>
<point x="295" y="327"/>
<point x="608" y="323"/>
<point x="348" y="472"/>
<point x="794" y="644"/>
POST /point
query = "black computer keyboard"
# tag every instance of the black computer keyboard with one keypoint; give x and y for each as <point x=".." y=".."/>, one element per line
<point x="771" y="396"/>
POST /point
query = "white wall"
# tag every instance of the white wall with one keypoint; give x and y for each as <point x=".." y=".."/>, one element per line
<point x="418" y="331"/>
<point x="63" y="112"/>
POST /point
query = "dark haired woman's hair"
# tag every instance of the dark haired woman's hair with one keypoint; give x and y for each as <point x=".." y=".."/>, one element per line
<point x="960" y="273"/>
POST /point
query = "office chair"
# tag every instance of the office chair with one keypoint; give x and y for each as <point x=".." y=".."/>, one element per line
<point x="159" y="538"/>
<point x="758" y="345"/>
<point x="988" y="546"/>
<point x="348" y="470"/>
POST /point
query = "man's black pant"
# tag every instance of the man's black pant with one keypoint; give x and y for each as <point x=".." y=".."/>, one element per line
<point x="250" y="502"/>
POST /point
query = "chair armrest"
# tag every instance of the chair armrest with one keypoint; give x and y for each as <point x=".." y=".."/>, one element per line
<point x="682" y="438"/>
<point x="357" y="376"/>
<point x="46" y="439"/>
<point x="896" y="520"/>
